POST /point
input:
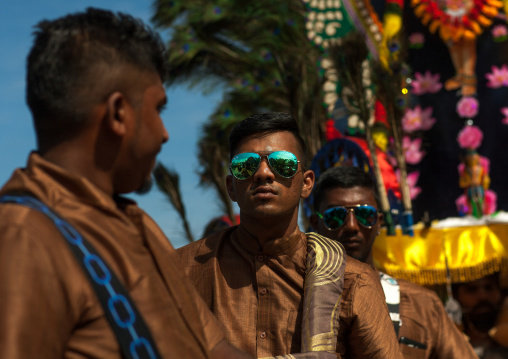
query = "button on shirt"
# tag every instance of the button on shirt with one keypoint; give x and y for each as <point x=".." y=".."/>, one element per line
<point x="259" y="293"/>
<point x="256" y="292"/>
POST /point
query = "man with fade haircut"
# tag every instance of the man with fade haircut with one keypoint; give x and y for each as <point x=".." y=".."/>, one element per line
<point x="278" y="291"/>
<point x="346" y="205"/>
<point x="79" y="264"/>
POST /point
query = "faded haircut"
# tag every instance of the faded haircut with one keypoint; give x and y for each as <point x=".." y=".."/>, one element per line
<point x="264" y="124"/>
<point x="343" y="177"/>
<point x="63" y="64"/>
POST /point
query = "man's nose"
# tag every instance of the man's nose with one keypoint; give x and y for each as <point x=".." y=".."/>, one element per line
<point x="350" y="222"/>
<point x="482" y="294"/>
<point x="264" y="172"/>
<point x="165" y="134"/>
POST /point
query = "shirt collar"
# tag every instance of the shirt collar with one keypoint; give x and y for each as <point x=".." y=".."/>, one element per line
<point x="52" y="182"/>
<point x="286" y="245"/>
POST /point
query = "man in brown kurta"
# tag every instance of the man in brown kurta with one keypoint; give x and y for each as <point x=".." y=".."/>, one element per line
<point x="252" y="275"/>
<point x="95" y="91"/>
<point x="48" y="309"/>
<point x="425" y="330"/>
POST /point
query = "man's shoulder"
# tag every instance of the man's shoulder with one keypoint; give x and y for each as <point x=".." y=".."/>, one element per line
<point x="188" y="252"/>
<point x="416" y="291"/>
<point x="201" y="251"/>
<point x="25" y="219"/>
<point x="355" y="267"/>
<point x="358" y="274"/>
<point x="417" y="299"/>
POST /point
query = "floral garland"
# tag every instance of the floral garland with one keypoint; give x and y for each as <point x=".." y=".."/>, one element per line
<point x="456" y="21"/>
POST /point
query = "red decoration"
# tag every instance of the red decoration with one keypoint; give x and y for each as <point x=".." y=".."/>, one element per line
<point x="331" y="132"/>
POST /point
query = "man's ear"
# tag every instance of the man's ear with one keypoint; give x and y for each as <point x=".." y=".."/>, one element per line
<point x="118" y="111"/>
<point x="230" y="187"/>
<point x="308" y="183"/>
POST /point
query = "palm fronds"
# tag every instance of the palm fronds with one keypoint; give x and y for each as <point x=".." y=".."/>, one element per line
<point x="168" y="183"/>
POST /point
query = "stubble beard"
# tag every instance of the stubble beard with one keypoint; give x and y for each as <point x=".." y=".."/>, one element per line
<point x="145" y="187"/>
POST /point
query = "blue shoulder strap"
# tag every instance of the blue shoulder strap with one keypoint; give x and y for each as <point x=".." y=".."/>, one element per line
<point x="124" y="318"/>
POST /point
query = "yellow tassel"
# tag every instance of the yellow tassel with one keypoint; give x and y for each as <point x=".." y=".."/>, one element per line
<point x="434" y="25"/>
<point x="426" y="18"/>
<point x="475" y="27"/>
<point x="495" y="3"/>
<point x="484" y="21"/>
<point x="456" y="34"/>
<point x="490" y="11"/>
<point x="420" y="10"/>
<point x="469" y="35"/>
<point x="445" y="33"/>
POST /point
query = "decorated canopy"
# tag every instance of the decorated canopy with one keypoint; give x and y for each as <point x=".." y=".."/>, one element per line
<point x="467" y="249"/>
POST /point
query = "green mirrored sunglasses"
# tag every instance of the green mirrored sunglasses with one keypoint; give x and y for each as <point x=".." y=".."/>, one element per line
<point x="335" y="217"/>
<point x="244" y="165"/>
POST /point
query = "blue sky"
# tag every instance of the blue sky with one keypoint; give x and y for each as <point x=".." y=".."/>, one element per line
<point x="186" y="111"/>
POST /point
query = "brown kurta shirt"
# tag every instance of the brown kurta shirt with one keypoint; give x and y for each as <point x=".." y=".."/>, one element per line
<point x="48" y="308"/>
<point x="425" y="320"/>
<point x="257" y="293"/>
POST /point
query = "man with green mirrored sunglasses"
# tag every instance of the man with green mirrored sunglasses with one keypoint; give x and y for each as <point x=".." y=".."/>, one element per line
<point x="345" y="201"/>
<point x="277" y="290"/>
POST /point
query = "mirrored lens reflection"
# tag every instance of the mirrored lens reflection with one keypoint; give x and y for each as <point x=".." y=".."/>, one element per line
<point x="335" y="217"/>
<point x="366" y="215"/>
<point x="244" y="165"/>
<point x="284" y="163"/>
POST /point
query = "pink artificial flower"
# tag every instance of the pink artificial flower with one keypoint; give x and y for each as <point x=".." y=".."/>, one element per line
<point x="416" y="40"/>
<point x="490" y="204"/>
<point x="427" y="83"/>
<point x="504" y="111"/>
<point x="412" y="150"/>
<point x="499" y="30"/>
<point x="412" y="179"/>
<point x="462" y="205"/>
<point x="499" y="33"/>
<point x="470" y="137"/>
<point x="467" y="107"/>
<point x="417" y="119"/>
<point x="498" y="77"/>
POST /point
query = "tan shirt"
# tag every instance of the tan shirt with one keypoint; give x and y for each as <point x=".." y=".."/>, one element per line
<point x="425" y="320"/>
<point x="48" y="308"/>
<point x="257" y="293"/>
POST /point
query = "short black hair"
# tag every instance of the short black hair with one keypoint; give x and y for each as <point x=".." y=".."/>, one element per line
<point x="65" y="57"/>
<point x="342" y="177"/>
<point x="263" y="124"/>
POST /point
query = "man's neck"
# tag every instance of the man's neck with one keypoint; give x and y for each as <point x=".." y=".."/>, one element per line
<point x="370" y="261"/>
<point x="268" y="230"/>
<point x="80" y="163"/>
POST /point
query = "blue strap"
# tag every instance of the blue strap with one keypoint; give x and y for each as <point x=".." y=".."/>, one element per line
<point x="128" y="325"/>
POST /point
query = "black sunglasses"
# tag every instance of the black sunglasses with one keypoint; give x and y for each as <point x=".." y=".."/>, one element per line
<point x="335" y="217"/>
<point x="244" y="165"/>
